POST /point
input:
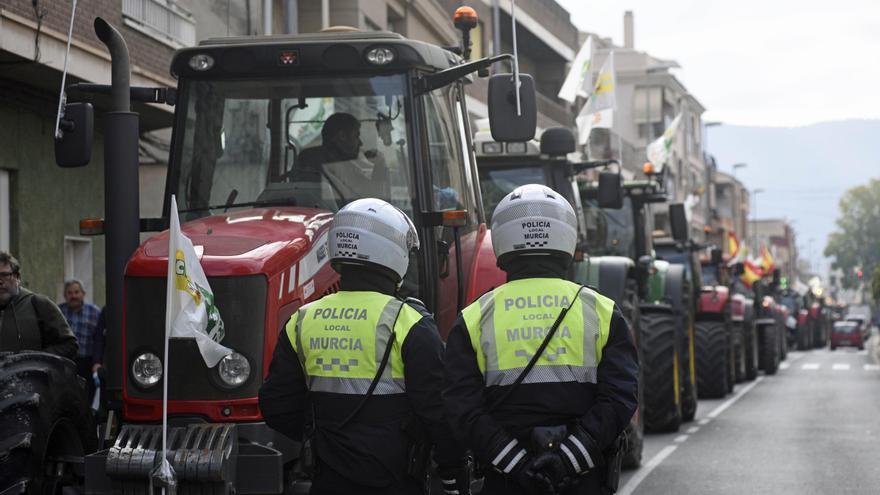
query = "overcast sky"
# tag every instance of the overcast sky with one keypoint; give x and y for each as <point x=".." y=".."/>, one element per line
<point x="758" y="62"/>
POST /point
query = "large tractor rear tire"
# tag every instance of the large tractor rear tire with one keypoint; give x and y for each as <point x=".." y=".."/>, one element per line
<point x="750" y="337"/>
<point x="783" y="342"/>
<point x="768" y="348"/>
<point x="635" y="444"/>
<point x="661" y="369"/>
<point x="804" y="341"/>
<point x="46" y="424"/>
<point x="689" y="386"/>
<point x="712" y="350"/>
<point x="739" y="351"/>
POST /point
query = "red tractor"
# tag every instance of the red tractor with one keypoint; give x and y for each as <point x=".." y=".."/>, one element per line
<point x="714" y="340"/>
<point x="248" y="112"/>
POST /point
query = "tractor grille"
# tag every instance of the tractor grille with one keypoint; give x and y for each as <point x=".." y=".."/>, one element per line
<point x="242" y="305"/>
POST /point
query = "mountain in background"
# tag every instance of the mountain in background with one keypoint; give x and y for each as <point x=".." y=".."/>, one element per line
<point x="803" y="171"/>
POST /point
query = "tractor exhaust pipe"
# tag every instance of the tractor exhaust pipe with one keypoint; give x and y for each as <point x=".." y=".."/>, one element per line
<point x="121" y="202"/>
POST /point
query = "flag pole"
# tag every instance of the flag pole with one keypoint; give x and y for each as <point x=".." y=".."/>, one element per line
<point x="169" y="292"/>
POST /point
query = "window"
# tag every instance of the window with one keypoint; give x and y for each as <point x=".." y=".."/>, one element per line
<point x="78" y="262"/>
<point x="648" y="111"/>
<point x="495" y="183"/>
<point x="396" y="22"/>
<point x="450" y="184"/>
<point x="258" y="143"/>
<point x="5" y="203"/>
<point x="163" y="20"/>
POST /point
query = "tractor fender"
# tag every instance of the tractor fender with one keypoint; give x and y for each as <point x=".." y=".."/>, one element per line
<point x="609" y="275"/>
<point x="713" y="300"/>
<point x="485" y="274"/>
<point x="737" y="307"/>
<point x="675" y="280"/>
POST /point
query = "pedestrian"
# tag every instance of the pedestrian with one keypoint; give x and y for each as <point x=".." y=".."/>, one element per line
<point x="30" y="321"/>
<point x="542" y="374"/>
<point x="358" y="373"/>
<point x="83" y="319"/>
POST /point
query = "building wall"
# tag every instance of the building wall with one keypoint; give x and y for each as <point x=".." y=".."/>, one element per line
<point x="47" y="201"/>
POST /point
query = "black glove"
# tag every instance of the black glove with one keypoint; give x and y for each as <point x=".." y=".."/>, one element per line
<point x="579" y="451"/>
<point x="555" y="468"/>
<point x="455" y="480"/>
<point x="531" y="478"/>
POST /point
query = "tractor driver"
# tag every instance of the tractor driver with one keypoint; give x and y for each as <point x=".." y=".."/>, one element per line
<point x="337" y="162"/>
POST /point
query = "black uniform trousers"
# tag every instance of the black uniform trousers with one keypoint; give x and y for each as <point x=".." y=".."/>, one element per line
<point x="498" y="484"/>
<point x="328" y="481"/>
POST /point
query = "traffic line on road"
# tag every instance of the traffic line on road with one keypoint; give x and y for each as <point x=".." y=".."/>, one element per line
<point x="693" y="429"/>
<point x="680" y="438"/>
<point x="840" y="367"/>
<point x="810" y="366"/>
<point x="704" y="421"/>
<point x="872" y="367"/>
<point x="720" y="409"/>
<point x="643" y="473"/>
<point x="783" y="366"/>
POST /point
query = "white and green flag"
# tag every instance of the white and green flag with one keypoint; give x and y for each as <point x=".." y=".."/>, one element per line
<point x="579" y="80"/>
<point x="599" y="109"/>
<point x="191" y="311"/>
<point x="660" y="151"/>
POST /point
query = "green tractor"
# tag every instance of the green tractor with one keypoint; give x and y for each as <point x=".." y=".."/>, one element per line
<point x="656" y="293"/>
<point x="506" y="166"/>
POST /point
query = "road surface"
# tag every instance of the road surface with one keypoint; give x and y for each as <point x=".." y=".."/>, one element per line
<point x="813" y="428"/>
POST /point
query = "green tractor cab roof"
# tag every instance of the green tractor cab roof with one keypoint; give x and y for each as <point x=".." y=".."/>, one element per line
<point x="304" y="54"/>
<point x="646" y="191"/>
<point x="488" y="149"/>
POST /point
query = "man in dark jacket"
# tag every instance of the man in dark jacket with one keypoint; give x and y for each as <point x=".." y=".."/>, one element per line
<point x="548" y="434"/>
<point x="328" y="357"/>
<point x="30" y="321"/>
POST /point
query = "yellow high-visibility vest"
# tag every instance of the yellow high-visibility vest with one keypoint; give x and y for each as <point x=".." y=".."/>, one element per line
<point x="341" y="338"/>
<point x="508" y="324"/>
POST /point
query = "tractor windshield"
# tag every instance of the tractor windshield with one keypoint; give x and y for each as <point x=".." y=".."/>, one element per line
<point x="499" y="182"/>
<point x="610" y="232"/>
<point x="310" y="142"/>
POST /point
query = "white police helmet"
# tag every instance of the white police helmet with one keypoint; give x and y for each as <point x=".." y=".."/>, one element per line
<point x="534" y="220"/>
<point x="370" y="231"/>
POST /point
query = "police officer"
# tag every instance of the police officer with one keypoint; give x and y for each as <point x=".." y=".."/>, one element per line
<point x="368" y="421"/>
<point x="547" y="434"/>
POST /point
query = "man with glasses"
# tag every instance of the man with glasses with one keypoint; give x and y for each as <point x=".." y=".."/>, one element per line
<point x="30" y="321"/>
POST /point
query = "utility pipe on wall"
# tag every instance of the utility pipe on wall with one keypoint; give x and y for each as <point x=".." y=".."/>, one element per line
<point x="267" y="17"/>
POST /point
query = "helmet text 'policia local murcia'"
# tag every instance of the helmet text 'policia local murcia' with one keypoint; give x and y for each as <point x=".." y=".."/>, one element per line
<point x="533" y="220"/>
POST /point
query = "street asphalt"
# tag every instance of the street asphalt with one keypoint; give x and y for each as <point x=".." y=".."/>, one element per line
<point x="813" y="428"/>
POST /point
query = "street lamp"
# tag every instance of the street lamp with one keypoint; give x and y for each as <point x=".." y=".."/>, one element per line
<point x="755" y="219"/>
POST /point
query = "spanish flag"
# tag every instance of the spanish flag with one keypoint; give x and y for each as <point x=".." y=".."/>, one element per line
<point x="732" y="244"/>
<point x="767" y="263"/>
<point x="751" y="273"/>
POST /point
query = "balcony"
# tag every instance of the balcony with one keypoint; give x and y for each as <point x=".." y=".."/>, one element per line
<point x="166" y="22"/>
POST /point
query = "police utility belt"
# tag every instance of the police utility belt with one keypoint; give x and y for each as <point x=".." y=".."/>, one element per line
<point x="544" y="438"/>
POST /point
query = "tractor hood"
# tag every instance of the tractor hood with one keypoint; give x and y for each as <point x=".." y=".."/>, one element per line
<point x="259" y="240"/>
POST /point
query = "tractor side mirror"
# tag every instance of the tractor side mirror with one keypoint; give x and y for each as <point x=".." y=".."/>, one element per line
<point x="76" y="128"/>
<point x="716" y="256"/>
<point x="610" y="193"/>
<point x="558" y="142"/>
<point x="678" y="222"/>
<point x="506" y="125"/>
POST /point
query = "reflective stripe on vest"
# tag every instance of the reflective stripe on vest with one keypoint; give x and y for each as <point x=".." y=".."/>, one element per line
<point x="507" y="325"/>
<point x="341" y="338"/>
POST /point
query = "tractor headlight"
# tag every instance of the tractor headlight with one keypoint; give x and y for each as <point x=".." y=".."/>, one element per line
<point x="201" y="62"/>
<point x="146" y="369"/>
<point x="234" y="369"/>
<point x="380" y="56"/>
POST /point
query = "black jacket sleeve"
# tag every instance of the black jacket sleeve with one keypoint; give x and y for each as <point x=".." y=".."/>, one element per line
<point x="284" y="395"/>
<point x="465" y="404"/>
<point x="617" y="395"/>
<point x="55" y="332"/>
<point x="422" y="353"/>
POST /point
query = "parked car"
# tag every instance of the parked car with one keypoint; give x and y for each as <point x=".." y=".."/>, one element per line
<point x="864" y="324"/>
<point x="847" y="333"/>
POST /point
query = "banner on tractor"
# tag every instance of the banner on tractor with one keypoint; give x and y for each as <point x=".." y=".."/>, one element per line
<point x="598" y="112"/>
<point x="660" y="151"/>
<point x="579" y="80"/>
<point x="192" y="313"/>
